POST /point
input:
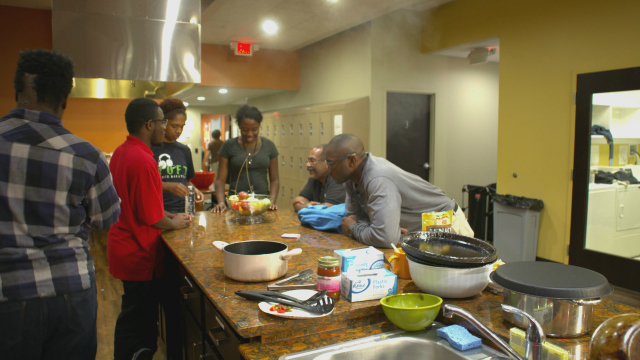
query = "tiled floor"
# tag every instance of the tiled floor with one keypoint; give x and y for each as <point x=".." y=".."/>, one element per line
<point x="109" y="297"/>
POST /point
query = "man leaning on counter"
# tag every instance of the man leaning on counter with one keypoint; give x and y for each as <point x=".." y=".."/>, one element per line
<point x="384" y="201"/>
<point x="320" y="189"/>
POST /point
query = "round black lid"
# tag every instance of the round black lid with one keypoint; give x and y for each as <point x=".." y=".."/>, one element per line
<point x="551" y="280"/>
<point x="448" y="249"/>
<point x="456" y="266"/>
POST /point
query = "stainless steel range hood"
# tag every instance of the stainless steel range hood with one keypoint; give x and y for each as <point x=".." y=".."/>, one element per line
<point x="129" y="48"/>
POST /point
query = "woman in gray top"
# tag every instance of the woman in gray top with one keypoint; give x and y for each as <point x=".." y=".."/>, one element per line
<point x="248" y="151"/>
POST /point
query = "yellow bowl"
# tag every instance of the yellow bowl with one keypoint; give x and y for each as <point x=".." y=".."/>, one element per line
<point x="411" y="311"/>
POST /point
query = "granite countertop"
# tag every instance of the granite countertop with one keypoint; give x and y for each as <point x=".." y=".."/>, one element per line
<point x="273" y="336"/>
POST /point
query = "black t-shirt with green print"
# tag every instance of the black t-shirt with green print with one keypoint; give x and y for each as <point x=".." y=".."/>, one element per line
<point x="175" y="165"/>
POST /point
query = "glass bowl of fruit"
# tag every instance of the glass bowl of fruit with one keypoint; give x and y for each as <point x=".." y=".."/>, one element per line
<point x="248" y="205"/>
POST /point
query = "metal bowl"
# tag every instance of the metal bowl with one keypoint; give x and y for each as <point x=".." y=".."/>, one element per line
<point x="447" y="249"/>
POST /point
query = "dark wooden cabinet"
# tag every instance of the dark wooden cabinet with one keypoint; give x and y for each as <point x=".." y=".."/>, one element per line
<point x="205" y="332"/>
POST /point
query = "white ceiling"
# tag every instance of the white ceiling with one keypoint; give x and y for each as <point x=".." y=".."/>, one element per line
<point x="237" y="96"/>
<point x="301" y="22"/>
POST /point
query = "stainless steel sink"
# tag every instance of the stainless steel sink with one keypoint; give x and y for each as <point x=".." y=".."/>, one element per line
<point x="398" y="345"/>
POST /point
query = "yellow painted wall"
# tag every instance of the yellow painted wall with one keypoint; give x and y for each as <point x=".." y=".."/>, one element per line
<point x="544" y="44"/>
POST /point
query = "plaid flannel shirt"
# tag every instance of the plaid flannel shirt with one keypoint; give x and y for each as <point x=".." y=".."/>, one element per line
<point x="51" y="183"/>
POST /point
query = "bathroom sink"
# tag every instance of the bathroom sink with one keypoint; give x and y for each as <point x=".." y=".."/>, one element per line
<point x="398" y="345"/>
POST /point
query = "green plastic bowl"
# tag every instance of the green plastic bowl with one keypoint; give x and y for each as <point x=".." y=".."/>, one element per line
<point x="411" y="311"/>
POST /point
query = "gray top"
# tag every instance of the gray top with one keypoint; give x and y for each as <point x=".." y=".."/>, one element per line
<point x="389" y="198"/>
<point x="329" y="192"/>
<point x="258" y="169"/>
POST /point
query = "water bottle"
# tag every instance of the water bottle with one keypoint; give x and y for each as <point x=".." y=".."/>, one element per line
<point x="190" y="202"/>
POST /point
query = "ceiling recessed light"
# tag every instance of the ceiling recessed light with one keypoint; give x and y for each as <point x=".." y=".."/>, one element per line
<point x="270" y="27"/>
<point x="201" y="98"/>
<point x="186" y="103"/>
<point x="332" y="1"/>
<point x="223" y="91"/>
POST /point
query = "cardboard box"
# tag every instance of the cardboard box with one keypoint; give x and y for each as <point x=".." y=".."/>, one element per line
<point x="368" y="285"/>
<point x="354" y="260"/>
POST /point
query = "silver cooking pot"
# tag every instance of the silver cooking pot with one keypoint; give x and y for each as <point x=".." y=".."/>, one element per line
<point x="560" y="297"/>
<point x="558" y="317"/>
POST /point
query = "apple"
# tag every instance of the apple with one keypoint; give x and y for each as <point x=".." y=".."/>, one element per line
<point x="235" y="205"/>
<point x="244" y="211"/>
<point x="242" y="195"/>
<point x="234" y="198"/>
<point x="245" y="205"/>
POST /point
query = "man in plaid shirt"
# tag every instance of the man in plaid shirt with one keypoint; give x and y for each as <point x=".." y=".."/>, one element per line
<point x="52" y="185"/>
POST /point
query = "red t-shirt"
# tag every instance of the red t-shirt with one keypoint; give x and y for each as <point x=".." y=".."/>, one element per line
<point x="134" y="248"/>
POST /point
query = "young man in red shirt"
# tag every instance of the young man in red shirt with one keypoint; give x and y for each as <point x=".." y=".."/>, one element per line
<point x="134" y="247"/>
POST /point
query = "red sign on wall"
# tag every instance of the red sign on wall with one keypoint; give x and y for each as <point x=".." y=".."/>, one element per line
<point x="244" y="49"/>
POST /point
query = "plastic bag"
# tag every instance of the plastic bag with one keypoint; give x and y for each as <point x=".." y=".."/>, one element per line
<point x="519" y="202"/>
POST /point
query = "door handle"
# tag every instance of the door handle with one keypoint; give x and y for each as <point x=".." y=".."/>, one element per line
<point x="426" y="165"/>
<point x="621" y="212"/>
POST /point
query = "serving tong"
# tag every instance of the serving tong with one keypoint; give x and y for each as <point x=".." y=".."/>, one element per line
<point x="302" y="275"/>
<point x="318" y="303"/>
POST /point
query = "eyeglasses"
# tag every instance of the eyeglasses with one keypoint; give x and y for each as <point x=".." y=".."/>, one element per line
<point x="331" y="163"/>
<point x="163" y="122"/>
<point x="313" y="161"/>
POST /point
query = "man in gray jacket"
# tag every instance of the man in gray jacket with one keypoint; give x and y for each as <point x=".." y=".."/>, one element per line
<point x="383" y="201"/>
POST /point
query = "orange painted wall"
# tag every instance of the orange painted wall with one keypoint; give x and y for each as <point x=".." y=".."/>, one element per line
<point x="266" y="69"/>
<point x="99" y="121"/>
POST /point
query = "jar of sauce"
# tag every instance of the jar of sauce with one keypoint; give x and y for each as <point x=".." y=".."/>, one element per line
<point x="328" y="276"/>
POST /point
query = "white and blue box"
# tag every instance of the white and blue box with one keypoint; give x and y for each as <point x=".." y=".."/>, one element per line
<point x="354" y="260"/>
<point x="368" y="285"/>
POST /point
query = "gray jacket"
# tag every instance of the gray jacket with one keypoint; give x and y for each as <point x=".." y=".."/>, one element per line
<point x="388" y="198"/>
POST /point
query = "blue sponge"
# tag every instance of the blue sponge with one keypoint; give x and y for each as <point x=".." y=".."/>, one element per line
<point x="459" y="337"/>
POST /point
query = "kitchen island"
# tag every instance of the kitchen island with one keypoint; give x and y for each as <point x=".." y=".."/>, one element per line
<point x="243" y="327"/>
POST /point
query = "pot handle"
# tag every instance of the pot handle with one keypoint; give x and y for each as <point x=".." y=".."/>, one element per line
<point x="220" y="245"/>
<point x="580" y="302"/>
<point x="289" y="254"/>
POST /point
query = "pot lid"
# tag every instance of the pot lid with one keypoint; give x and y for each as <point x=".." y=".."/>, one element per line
<point x="552" y="280"/>
<point x="448" y="249"/>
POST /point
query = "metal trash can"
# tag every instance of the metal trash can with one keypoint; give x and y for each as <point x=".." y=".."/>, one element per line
<point x="515" y="227"/>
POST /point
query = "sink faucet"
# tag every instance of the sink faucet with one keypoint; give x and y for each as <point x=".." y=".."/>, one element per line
<point x="535" y="335"/>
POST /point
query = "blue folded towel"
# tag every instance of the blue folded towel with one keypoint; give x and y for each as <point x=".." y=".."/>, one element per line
<point x="321" y="217"/>
<point x="459" y="337"/>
